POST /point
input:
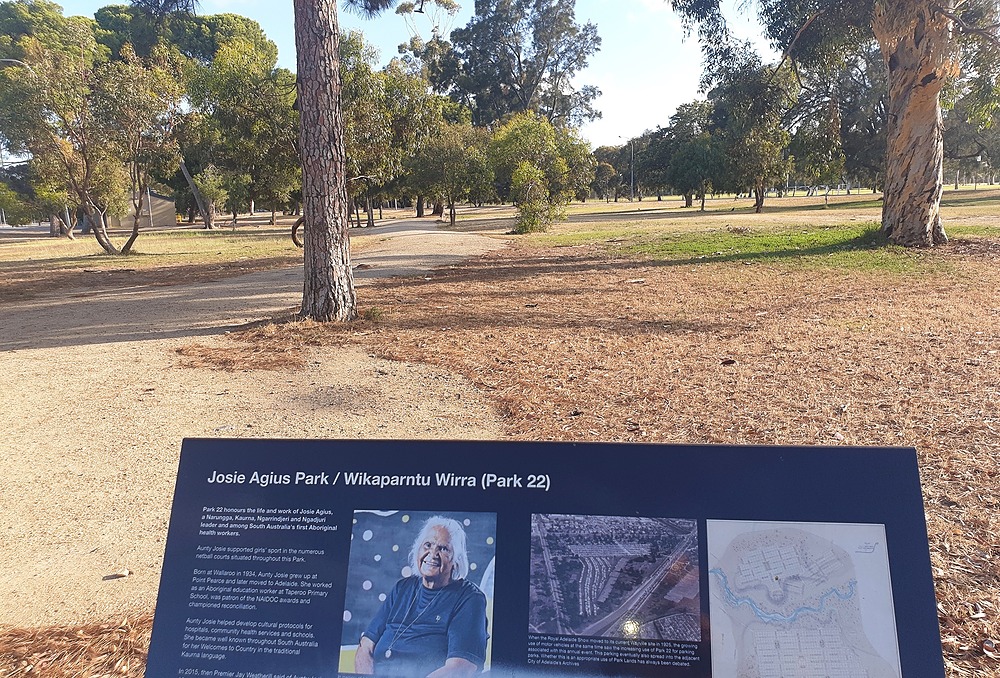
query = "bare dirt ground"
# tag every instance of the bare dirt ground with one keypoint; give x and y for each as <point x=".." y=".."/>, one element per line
<point x="546" y="342"/>
<point x="97" y="400"/>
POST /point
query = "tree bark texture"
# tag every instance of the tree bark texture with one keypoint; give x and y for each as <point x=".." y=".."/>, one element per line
<point x="759" y="191"/>
<point x="328" y="289"/>
<point x="67" y="219"/>
<point x="207" y="216"/>
<point x="96" y="217"/>
<point x="137" y="204"/>
<point x="917" y="46"/>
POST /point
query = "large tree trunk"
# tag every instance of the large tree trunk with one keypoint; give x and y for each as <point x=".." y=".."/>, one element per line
<point x="68" y="220"/>
<point x="759" y="191"/>
<point x="207" y="215"/>
<point x="137" y="203"/>
<point x="96" y="217"/>
<point x="328" y="289"/>
<point x="916" y="46"/>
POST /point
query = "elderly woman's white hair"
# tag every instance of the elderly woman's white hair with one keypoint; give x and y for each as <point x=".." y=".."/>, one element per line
<point x="457" y="534"/>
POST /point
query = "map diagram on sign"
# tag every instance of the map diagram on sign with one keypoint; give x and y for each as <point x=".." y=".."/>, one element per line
<point x="811" y="600"/>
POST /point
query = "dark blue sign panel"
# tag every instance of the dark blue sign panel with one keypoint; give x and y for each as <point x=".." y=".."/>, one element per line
<point x="310" y="559"/>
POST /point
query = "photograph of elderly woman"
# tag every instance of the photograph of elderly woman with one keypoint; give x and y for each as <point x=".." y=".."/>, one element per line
<point x="419" y="594"/>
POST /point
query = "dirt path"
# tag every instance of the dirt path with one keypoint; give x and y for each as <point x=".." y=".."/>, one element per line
<point x="95" y="406"/>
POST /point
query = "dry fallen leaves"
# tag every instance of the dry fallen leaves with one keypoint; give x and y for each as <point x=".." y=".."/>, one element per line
<point x="590" y="363"/>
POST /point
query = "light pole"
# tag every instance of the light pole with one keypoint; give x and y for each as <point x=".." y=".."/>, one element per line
<point x="631" y="169"/>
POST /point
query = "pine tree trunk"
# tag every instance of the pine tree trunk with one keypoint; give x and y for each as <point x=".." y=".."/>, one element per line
<point x="328" y="289"/>
<point x="915" y="44"/>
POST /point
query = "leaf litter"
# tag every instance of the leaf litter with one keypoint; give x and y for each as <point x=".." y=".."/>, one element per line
<point x="710" y="353"/>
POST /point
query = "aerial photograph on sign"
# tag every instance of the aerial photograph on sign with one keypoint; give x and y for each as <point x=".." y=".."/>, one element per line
<point x="801" y="599"/>
<point x="616" y="577"/>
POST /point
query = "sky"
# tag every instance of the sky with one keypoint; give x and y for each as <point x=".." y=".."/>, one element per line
<point x="645" y="67"/>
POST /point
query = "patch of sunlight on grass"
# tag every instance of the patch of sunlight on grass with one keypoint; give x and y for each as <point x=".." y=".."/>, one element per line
<point x="152" y="250"/>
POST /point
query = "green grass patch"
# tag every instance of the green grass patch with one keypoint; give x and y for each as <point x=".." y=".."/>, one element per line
<point x="984" y="195"/>
<point x="614" y="232"/>
<point x="961" y="230"/>
<point x="859" y="247"/>
<point x="856" y="246"/>
<point x="873" y="203"/>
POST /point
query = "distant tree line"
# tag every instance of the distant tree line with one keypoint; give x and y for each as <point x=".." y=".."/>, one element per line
<point x="763" y="130"/>
<point x="147" y="95"/>
<point x="105" y="108"/>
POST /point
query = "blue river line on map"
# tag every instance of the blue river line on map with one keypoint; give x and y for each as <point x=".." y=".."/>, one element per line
<point x="773" y="616"/>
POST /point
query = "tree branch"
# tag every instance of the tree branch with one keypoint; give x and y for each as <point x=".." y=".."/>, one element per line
<point x="988" y="33"/>
<point x="787" y="53"/>
<point x="798" y="34"/>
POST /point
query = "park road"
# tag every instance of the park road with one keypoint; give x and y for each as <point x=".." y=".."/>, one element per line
<point x="95" y="406"/>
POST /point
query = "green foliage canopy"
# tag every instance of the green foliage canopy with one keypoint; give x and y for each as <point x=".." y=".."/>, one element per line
<point x="516" y="56"/>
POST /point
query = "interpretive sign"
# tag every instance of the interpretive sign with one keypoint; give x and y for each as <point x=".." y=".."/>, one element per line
<point x="309" y="559"/>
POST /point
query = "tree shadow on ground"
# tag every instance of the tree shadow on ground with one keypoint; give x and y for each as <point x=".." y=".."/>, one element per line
<point x="553" y="262"/>
<point x="543" y="290"/>
<point x="148" y="312"/>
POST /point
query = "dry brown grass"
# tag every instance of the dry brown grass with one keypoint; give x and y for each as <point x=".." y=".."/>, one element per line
<point x="32" y="264"/>
<point x="574" y="344"/>
<point x="115" y="275"/>
<point x="94" y="651"/>
<point x="276" y="345"/>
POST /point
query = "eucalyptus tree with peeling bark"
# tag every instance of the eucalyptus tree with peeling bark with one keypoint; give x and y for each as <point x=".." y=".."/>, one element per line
<point x="924" y="44"/>
<point x="921" y="57"/>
